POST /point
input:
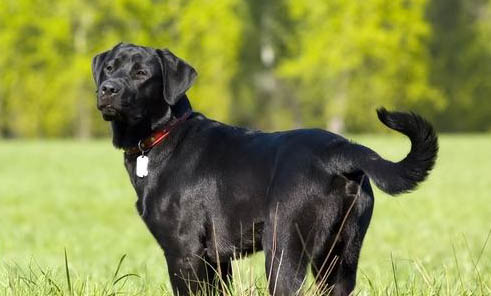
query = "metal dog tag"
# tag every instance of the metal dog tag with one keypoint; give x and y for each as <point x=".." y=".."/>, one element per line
<point x="142" y="166"/>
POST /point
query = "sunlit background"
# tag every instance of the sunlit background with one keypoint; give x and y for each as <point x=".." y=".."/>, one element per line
<point x="267" y="64"/>
<point x="272" y="65"/>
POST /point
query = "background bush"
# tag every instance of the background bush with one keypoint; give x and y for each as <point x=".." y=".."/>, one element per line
<point x="267" y="64"/>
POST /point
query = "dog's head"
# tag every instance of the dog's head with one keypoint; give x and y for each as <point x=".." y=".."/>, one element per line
<point x="136" y="82"/>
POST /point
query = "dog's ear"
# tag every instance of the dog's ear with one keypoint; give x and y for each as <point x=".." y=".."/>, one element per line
<point x="177" y="76"/>
<point x="97" y="64"/>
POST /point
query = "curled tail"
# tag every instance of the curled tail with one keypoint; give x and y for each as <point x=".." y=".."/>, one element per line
<point x="403" y="176"/>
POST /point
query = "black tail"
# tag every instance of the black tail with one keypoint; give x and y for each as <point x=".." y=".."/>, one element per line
<point x="397" y="177"/>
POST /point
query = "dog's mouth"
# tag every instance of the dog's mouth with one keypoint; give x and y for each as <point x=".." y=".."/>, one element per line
<point x="109" y="113"/>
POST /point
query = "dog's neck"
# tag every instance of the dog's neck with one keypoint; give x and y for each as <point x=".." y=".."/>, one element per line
<point x="126" y="136"/>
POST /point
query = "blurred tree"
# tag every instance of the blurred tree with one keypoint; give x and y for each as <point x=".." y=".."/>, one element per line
<point x="46" y="85"/>
<point x="270" y="64"/>
<point x="261" y="99"/>
<point x="34" y="44"/>
<point x="461" y="62"/>
<point x="209" y="36"/>
<point x="347" y="57"/>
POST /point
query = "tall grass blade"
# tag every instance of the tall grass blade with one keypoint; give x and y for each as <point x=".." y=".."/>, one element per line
<point x="125" y="276"/>
<point x="483" y="247"/>
<point x="67" y="273"/>
<point x="458" y="267"/>
<point x="119" y="267"/>
<point x="394" y="273"/>
<point x="474" y="263"/>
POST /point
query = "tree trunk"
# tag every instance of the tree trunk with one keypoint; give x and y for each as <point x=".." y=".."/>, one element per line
<point x="83" y="119"/>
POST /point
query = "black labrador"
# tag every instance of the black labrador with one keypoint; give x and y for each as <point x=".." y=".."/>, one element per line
<point x="209" y="192"/>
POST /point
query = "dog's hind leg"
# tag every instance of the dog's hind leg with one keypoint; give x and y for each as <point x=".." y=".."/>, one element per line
<point x="220" y="277"/>
<point x="285" y="267"/>
<point x="335" y="263"/>
<point x="335" y="272"/>
<point x="287" y="242"/>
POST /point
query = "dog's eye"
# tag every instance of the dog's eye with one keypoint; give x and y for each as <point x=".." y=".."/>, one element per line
<point x="109" y="68"/>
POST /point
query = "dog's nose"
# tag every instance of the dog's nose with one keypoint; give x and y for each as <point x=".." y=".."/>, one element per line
<point x="110" y="88"/>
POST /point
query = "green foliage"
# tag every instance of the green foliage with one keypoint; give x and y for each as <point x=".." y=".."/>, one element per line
<point x="461" y="62"/>
<point x="351" y="56"/>
<point x="269" y="64"/>
<point x="46" y="85"/>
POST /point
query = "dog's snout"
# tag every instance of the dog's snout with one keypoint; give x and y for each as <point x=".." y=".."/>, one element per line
<point x="110" y="88"/>
<point x="103" y="104"/>
<point x="108" y="92"/>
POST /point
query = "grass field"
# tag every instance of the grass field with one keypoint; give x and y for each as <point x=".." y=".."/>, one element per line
<point x="75" y="196"/>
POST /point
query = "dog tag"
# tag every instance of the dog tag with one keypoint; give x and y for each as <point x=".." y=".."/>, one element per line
<point x="142" y="166"/>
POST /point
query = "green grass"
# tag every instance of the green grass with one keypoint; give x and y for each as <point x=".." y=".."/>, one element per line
<point x="75" y="196"/>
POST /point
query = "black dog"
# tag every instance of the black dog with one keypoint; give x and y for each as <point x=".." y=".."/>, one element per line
<point x="208" y="191"/>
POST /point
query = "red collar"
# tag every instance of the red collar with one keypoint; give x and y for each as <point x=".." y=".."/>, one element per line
<point x="156" y="137"/>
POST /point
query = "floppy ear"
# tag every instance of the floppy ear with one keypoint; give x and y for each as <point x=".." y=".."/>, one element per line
<point x="97" y="64"/>
<point x="177" y="76"/>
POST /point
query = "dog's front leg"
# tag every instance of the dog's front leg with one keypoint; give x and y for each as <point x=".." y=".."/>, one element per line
<point x="187" y="264"/>
<point x="191" y="273"/>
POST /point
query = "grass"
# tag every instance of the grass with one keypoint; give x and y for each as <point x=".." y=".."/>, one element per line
<point x="68" y="225"/>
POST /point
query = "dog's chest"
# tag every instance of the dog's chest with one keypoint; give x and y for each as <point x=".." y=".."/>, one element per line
<point x="159" y="195"/>
<point x="140" y="184"/>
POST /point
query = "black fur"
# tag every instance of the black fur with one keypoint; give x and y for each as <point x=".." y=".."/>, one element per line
<point x="395" y="178"/>
<point x="216" y="191"/>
